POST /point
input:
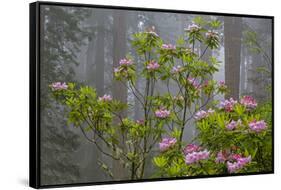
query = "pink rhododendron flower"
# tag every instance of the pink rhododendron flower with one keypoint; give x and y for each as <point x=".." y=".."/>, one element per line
<point x="152" y="66"/>
<point x="201" y="114"/>
<point x="191" y="148"/>
<point x="167" y="143"/>
<point x="222" y="85"/>
<point x="193" y="82"/>
<point x="162" y="113"/>
<point x="211" y="34"/>
<point x="248" y="102"/>
<point x="193" y="28"/>
<point x="121" y="70"/>
<point x="105" y="98"/>
<point x="59" y="86"/>
<point x="258" y="126"/>
<point x="244" y="160"/>
<point x="176" y="69"/>
<point x="168" y="47"/>
<point x="227" y="105"/>
<point x="235" y="156"/>
<point x="233" y="124"/>
<point x="125" y="62"/>
<point x="195" y="157"/>
<point x="233" y="167"/>
<point x="226" y="155"/>
<point x="221" y="157"/>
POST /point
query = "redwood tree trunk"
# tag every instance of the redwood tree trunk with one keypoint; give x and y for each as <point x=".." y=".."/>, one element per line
<point x="119" y="91"/>
<point x="232" y="49"/>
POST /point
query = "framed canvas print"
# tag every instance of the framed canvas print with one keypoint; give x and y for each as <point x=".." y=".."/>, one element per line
<point x="122" y="94"/>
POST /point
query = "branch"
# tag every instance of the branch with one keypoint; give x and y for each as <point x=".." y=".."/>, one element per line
<point x="203" y="105"/>
<point x="95" y="142"/>
<point x="203" y="52"/>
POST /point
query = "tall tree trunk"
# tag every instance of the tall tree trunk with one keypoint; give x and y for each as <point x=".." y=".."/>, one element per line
<point x="243" y="70"/>
<point x="99" y="58"/>
<point x="119" y="91"/>
<point x="232" y="49"/>
<point x="95" y="77"/>
<point x="90" y="66"/>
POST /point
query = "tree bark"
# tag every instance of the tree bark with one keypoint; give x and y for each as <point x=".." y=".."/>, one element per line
<point x="119" y="91"/>
<point x="232" y="49"/>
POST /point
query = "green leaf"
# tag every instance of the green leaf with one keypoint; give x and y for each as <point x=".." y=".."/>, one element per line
<point x="160" y="161"/>
<point x="215" y="24"/>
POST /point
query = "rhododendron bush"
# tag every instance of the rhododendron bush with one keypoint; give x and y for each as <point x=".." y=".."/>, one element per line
<point x="233" y="136"/>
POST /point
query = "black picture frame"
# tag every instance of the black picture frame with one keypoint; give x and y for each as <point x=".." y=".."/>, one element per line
<point x="34" y="91"/>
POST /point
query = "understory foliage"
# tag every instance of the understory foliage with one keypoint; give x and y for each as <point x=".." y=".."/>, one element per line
<point x="233" y="135"/>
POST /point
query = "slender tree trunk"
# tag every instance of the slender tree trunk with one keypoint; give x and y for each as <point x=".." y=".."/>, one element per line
<point x="232" y="48"/>
<point x="119" y="91"/>
<point x="95" y="77"/>
<point x="243" y="70"/>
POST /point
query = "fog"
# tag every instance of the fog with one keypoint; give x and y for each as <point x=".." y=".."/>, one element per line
<point x="83" y="45"/>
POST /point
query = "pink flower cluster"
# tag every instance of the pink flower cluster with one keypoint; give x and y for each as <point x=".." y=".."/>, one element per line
<point x="162" y="113"/>
<point x="193" y="28"/>
<point x="176" y="69"/>
<point x="105" y="98"/>
<point x="59" y="86"/>
<point x="196" y="156"/>
<point x="168" y="46"/>
<point x="167" y="143"/>
<point x="240" y="162"/>
<point x="235" y="156"/>
<point x="153" y="65"/>
<point x="201" y="114"/>
<point x="233" y="124"/>
<point x="211" y="34"/>
<point x="193" y="82"/>
<point x="258" y="126"/>
<point x="126" y="62"/>
<point x="227" y="105"/>
<point x="248" y="102"/>
<point x="122" y="68"/>
<point x="221" y="157"/>
<point x="222" y="85"/>
<point x="234" y="162"/>
<point x="226" y="155"/>
<point x="191" y="148"/>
